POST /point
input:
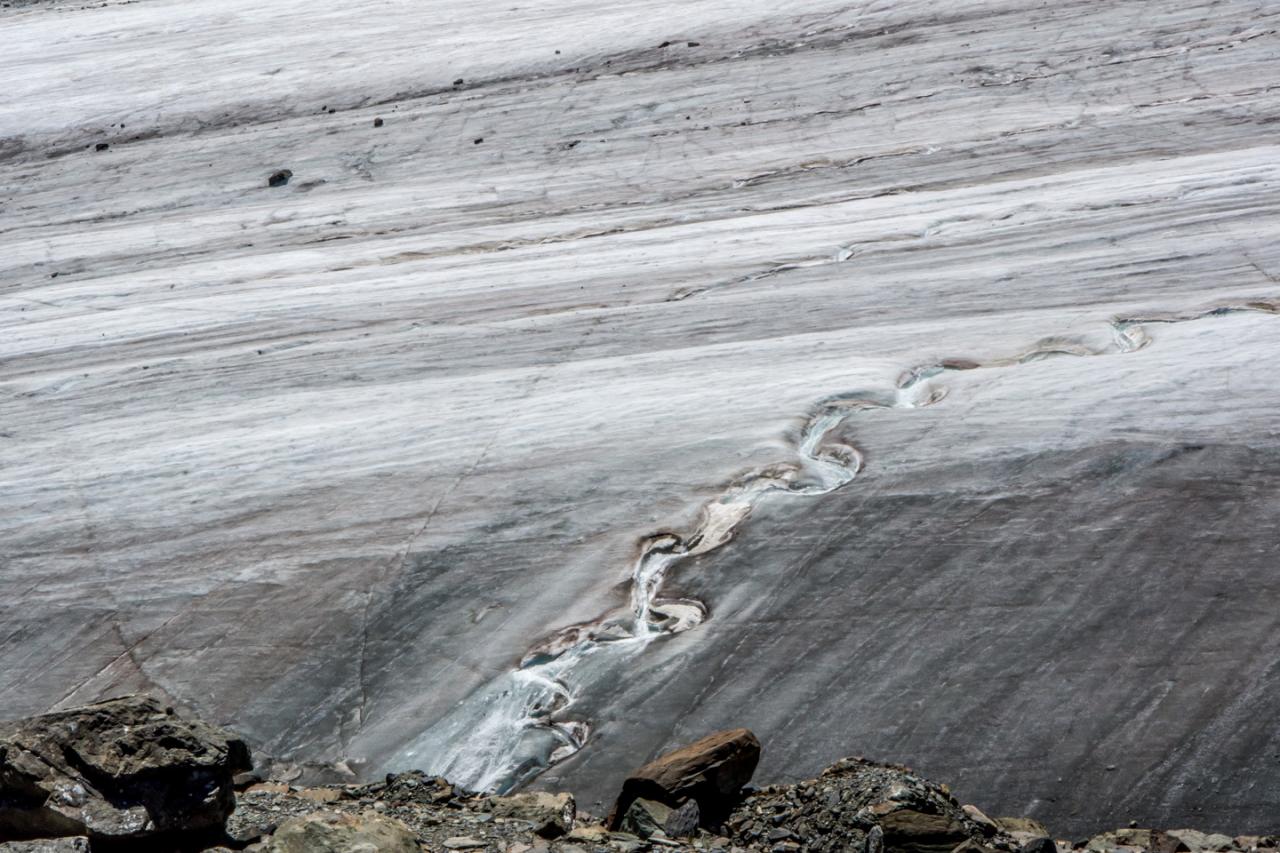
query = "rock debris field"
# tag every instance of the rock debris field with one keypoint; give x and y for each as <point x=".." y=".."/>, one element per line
<point x="132" y="774"/>
<point x="513" y="394"/>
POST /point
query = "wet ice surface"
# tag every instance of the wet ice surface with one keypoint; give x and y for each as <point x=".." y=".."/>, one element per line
<point x="328" y="459"/>
<point x="517" y="727"/>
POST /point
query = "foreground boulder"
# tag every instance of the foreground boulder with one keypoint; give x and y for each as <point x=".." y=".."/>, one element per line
<point x="126" y="770"/>
<point x="711" y="772"/>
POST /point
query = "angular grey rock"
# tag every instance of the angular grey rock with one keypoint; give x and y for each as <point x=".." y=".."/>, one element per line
<point x="711" y="770"/>
<point x="875" y="840"/>
<point x="279" y="178"/>
<point x="77" y="844"/>
<point x="330" y="832"/>
<point x="986" y="824"/>
<point x="684" y="821"/>
<point x="127" y="769"/>
<point x="552" y="815"/>
<point x="646" y="818"/>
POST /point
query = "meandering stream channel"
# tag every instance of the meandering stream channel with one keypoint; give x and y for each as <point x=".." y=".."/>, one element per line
<point x="515" y="727"/>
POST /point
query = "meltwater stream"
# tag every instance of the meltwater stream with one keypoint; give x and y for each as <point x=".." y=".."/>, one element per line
<point x="512" y="729"/>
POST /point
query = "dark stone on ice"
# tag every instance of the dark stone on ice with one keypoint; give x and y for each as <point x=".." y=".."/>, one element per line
<point x="102" y="146"/>
<point x="549" y="815"/>
<point x="279" y="178"/>
<point x="377" y="122"/>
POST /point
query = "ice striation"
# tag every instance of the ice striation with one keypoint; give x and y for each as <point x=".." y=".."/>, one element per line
<point x="387" y="377"/>
<point x="514" y="728"/>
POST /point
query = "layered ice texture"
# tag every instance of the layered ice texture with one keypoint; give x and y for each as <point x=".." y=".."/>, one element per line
<point x="653" y="369"/>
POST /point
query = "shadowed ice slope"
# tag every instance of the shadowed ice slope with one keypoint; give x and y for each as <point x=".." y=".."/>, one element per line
<point x="520" y="725"/>
<point x="1047" y="599"/>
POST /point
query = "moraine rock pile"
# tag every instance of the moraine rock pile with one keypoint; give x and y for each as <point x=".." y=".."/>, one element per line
<point x="861" y="805"/>
<point x="131" y="774"/>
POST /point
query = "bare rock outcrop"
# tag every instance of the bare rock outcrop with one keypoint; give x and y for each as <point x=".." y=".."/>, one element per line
<point x="128" y="771"/>
<point x="855" y="805"/>
<point x="710" y="771"/>
<point x="132" y="775"/>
